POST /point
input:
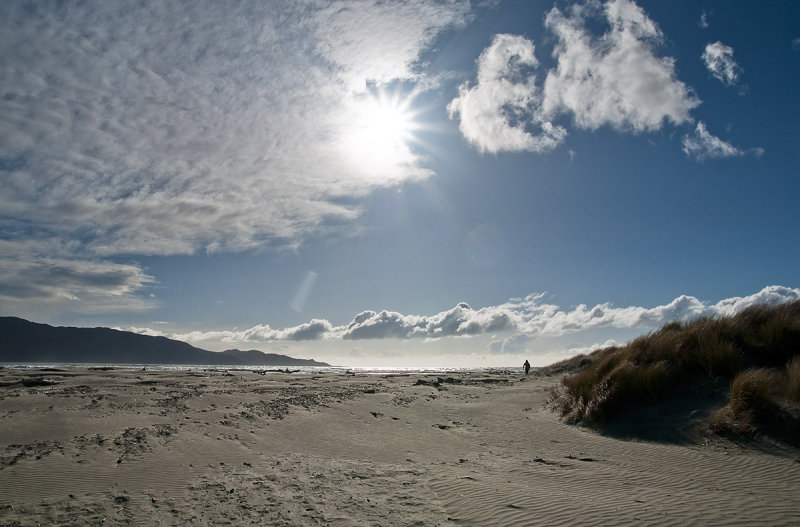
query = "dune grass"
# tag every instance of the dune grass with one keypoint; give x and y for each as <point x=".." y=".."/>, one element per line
<point x="754" y="355"/>
<point x="793" y="380"/>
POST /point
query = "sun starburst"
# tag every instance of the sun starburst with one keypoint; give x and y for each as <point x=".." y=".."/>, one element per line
<point x="378" y="132"/>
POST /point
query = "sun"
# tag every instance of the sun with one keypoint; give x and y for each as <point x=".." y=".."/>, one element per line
<point x="384" y="123"/>
<point x="378" y="131"/>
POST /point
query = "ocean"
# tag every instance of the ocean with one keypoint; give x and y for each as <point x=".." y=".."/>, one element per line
<point x="293" y="370"/>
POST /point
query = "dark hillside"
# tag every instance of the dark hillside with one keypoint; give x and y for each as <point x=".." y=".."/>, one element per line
<point x="24" y="341"/>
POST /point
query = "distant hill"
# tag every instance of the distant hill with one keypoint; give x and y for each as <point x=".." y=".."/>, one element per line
<point x="24" y="341"/>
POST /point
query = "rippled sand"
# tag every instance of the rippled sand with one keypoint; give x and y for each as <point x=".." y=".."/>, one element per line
<point x="212" y="447"/>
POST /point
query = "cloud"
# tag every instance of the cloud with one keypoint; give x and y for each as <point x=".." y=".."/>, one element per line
<point x="702" y="145"/>
<point x="314" y="330"/>
<point x="380" y="325"/>
<point x="379" y="41"/>
<point x="526" y="318"/>
<point x="796" y="43"/>
<point x="143" y="331"/>
<point x="719" y="61"/>
<point x="153" y="128"/>
<point x="771" y="295"/>
<point x="499" y="111"/>
<point x="581" y="349"/>
<point x="513" y="345"/>
<point x="703" y="20"/>
<point x="614" y="79"/>
<point x="461" y="320"/>
<point x="43" y="272"/>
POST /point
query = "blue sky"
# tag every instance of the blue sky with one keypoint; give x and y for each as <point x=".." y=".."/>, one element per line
<point x="416" y="183"/>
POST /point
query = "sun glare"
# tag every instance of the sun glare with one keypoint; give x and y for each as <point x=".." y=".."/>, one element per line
<point x="379" y="130"/>
<point x="385" y="123"/>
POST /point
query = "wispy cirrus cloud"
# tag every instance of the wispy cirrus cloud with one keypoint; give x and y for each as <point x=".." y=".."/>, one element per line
<point x="162" y="129"/>
<point x="167" y="128"/>
<point x="701" y="145"/>
<point x="379" y="41"/>
<point x="719" y="61"/>
<point x="704" y="23"/>
<point x="528" y="317"/>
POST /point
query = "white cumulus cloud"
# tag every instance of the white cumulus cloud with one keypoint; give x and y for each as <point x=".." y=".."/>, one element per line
<point x="719" y="60"/>
<point x="771" y="295"/>
<point x="615" y="79"/>
<point x="612" y="79"/>
<point x="502" y="111"/>
<point x="525" y="318"/>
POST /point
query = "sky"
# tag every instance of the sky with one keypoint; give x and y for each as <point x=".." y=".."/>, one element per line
<point x="418" y="183"/>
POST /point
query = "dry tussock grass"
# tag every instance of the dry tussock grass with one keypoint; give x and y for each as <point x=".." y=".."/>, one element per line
<point x="760" y="397"/>
<point x="757" y="351"/>
<point x="753" y="395"/>
<point x="574" y="364"/>
<point x="793" y="380"/>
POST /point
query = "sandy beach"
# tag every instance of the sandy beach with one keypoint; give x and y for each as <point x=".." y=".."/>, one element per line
<point x="91" y="447"/>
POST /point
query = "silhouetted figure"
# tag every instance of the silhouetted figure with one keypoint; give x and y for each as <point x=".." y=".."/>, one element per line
<point x="526" y="367"/>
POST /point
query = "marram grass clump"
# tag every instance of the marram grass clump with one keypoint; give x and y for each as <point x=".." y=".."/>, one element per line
<point x="759" y="398"/>
<point x="793" y="380"/>
<point x="754" y="355"/>
<point x="753" y="398"/>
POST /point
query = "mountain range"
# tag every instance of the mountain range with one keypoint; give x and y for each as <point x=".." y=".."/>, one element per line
<point x="24" y="341"/>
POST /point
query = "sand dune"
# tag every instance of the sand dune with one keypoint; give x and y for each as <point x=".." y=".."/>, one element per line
<point x="211" y="447"/>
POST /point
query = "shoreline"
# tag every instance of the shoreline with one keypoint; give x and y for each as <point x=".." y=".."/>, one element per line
<point x="165" y="446"/>
<point x="378" y="370"/>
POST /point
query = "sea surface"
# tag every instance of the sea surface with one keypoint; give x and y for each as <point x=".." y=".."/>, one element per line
<point x="294" y="370"/>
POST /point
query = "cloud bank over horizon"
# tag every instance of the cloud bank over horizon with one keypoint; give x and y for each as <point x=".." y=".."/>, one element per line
<point x="524" y="318"/>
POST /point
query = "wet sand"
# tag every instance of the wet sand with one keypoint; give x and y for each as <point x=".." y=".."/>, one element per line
<point x="91" y="447"/>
